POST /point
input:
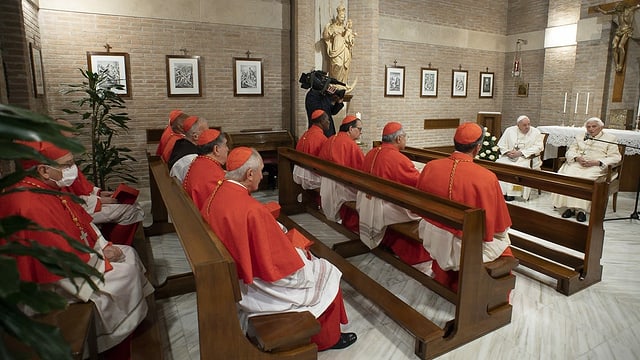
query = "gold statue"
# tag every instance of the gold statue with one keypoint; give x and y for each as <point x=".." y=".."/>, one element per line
<point x="625" y="30"/>
<point x="339" y="36"/>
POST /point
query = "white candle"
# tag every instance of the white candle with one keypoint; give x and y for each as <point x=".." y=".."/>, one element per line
<point x="586" y="110"/>
<point x="564" y="108"/>
<point x="575" y="110"/>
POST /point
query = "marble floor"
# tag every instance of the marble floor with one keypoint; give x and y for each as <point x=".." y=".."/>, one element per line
<point x="601" y="322"/>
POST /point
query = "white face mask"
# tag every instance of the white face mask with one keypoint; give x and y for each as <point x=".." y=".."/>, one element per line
<point x="69" y="175"/>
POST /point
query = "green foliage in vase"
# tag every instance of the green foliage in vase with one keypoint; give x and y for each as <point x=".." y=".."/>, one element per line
<point x="104" y="117"/>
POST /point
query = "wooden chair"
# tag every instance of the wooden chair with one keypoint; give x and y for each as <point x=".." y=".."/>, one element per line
<point x="540" y="155"/>
<point x="613" y="177"/>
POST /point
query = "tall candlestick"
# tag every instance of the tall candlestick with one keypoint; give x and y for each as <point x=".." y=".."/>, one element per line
<point x="564" y="107"/>
<point x="575" y="110"/>
<point x="586" y="109"/>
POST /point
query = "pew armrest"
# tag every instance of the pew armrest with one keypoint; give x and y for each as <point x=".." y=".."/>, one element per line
<point x="283" y="331"/>
<point x="501" y="266"/>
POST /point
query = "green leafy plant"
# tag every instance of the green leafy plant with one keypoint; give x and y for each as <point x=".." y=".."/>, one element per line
<point x="105" y="162"/>
<point x="45" y="340"/>
<point x="490" y="150"/>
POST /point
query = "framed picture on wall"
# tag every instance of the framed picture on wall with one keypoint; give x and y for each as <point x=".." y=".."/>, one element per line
<point x="429" y="83"/>
<point x="459" y="83"/>
<point x="36" y="70"/>
<point x="486" y="84"/>
<point x="394" y="81"/>
<point x="248" y="78"/>
<point x="183" y="75"/>
<point x="115" y="67"/>
<point x="523" y="90"/>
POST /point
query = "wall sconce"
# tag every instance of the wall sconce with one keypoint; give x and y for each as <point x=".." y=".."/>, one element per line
<point x="516" y="71"/>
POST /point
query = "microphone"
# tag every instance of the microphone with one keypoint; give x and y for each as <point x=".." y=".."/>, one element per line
<point x="586" y="137"/>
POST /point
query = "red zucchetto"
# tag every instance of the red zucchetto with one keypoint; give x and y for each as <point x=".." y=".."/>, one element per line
<point x="467" y="133"/>
<point x="173" y="115"/>
<point x="348" y="119"/>
<point x="45" y="148"/>
<point x="189" y="122"/>
<point x="237" y="157"/>
<point x="316" y="114"/>
<point x="208" y="136"/>
<point x="391" y="127"/>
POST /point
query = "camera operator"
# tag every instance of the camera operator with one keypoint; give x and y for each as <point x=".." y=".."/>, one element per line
<point x="331" y="101"/>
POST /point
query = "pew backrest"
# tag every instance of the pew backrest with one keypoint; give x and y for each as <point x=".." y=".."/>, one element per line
<point x="216" y="280"/>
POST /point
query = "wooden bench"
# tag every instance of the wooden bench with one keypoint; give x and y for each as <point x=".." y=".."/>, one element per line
<point x="77" y="326"/>
<point x="481" y="301"/>
<point x="576" y="265"/>
<point x="277" y="336"/>
<point x="266" y="142"/>
<point x="161" y="224"/>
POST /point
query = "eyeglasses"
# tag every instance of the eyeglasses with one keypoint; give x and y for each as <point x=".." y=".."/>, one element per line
<point x="359" y="128"/>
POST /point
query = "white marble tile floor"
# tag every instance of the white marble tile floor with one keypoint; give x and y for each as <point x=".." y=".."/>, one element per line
<point x="601" y="322"/>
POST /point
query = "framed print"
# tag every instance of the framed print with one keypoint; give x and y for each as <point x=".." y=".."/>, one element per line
<point x="116" y="68"/>
<point x="183" y="75"/>
<point x="486" y="84"/>
<point x="248" y="78"/>
<point x="459" y="83"/>
<point x="523" y="90"/>
<point x="36" y="70"/>
<point x="394" y="81"/>
<point x="429" y="83"/>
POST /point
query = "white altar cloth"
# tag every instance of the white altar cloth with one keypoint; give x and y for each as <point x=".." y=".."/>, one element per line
<point x="564" y="135"/>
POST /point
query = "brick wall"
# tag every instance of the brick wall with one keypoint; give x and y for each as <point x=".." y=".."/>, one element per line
<point x="68" y="36"/>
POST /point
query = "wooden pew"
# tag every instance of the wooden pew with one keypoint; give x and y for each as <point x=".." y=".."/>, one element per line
<point x="573" y="272"/>
<point x="277" y="336"/>
<point x="266" y="142"/>
<point x="481" y="301"/>
<point x="161" y="224"/>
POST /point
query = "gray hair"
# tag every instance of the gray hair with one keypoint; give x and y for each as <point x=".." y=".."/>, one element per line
<point x="522" y="117"/>
<point x="197" y="127"/>
<point x="595" y="120"/>
<point x="253" y="162"/>
<point x="392" y="137"/>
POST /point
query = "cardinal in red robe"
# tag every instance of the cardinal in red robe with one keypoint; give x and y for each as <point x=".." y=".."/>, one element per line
<point x="120" y="299"/>
<point x="274" y="275"/>
<point x="458" y="178"/>
<point x="206" y="170"/>
<point x="386" y="161"/>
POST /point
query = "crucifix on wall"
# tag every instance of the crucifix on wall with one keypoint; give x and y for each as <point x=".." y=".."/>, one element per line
<point x="624" y="13"/>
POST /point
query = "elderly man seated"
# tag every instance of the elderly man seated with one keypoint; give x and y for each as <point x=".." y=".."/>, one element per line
<point x="387" y="162"/>
<point x="518" y="145"/>
<point x="588" y="157"/>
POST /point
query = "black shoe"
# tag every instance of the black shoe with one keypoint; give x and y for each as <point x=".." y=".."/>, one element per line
<point x="508" y="198"/>
<point x="582" y="217"/>
<point x="568" y="213"/>
<point x="346" y="339"/>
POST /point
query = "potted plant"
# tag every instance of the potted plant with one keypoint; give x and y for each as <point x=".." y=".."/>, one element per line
<point x="45" y="340"/>
<point x="105" y="162"/>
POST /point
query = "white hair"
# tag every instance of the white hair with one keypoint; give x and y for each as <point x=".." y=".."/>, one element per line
<point x="253" y="162"/>
<point x="522" y="117"/>
<point x="595" y="120"/>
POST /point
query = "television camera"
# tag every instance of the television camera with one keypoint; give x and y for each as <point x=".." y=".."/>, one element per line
<point x="319" y="80"/>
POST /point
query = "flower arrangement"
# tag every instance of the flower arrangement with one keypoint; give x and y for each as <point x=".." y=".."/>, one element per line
<point x="490" y="150"/>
